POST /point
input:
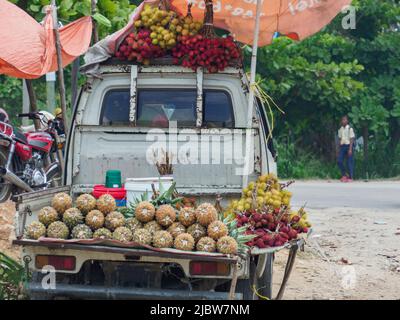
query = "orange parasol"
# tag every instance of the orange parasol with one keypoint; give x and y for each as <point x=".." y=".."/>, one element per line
<point x="297" y="18"/>
<point x="27" y="49"/>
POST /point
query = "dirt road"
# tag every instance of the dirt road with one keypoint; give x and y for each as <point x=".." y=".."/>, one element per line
<point x="354" y="251"/>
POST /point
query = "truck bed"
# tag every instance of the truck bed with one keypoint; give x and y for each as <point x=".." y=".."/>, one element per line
<point x="128" y="252"/>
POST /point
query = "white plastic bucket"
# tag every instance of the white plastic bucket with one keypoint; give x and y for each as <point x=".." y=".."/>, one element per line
<point x="136" y="187"/>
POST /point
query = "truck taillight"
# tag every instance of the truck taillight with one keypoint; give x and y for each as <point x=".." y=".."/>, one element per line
<point x="67" y="263"/>
<point x="209" y="268"/>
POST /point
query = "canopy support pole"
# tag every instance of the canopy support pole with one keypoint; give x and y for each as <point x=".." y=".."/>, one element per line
<point x="95" y="32"/>
<point x="61" y="83"/>
<point x="250" y="106"/>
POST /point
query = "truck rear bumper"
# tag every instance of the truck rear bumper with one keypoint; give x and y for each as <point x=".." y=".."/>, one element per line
<point x="36" y="291"/>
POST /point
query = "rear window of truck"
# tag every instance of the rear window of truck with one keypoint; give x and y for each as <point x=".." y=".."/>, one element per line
<point x="157" y="107"/>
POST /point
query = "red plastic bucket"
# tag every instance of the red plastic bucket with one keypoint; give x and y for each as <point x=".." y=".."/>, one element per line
<point x="117" y="193"/>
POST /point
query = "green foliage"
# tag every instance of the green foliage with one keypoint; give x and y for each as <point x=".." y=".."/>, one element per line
<point x="302" y="164"/>
<point x="332" y="73"/>
<point x="371" y="113"/>
<point x="12" y="275"/>
<point x="11" y="96"/>
<point x="111" y="15"/>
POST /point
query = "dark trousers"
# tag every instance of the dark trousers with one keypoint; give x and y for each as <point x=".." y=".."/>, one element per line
<point x="344" y="154"/>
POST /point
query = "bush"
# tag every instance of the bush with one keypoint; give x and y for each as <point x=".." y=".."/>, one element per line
<point x="299" y="164"/>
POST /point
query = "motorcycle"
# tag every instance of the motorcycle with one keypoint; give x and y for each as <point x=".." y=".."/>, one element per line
<point x="29" y="161"/>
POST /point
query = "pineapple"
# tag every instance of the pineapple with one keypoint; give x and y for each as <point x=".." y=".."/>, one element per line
<point x="197" y="231"/>
<point x="35" y="230"/>
<point x="72" y="217"/>
<point x="206" y="213"/>
<point x="122" y="234"/>
<point x="86" y="203"/>
<point x="133" y="224"/>
<point x="165" y="215"/>
<point x="102" y="233"/>
<point x="114" y="220"/>
<point x="61" y="202"/>
<point x="206" y="244"/>
<point x="81" y="231"/>
<point x="145" y="211"/>
<point x="187" y="216"/>
<point x="217" y="229"/>
<point x="106" y="203"/>
<point x="227" y="245"/>
<point x="176" y="229"/>
<point x="163" y="239"/>
<point x="47" y="215"/>
<point x="142" y="236"/>
<point x="152" y="226"/>
<point x="58" y="230"/>
<point x="184" y="242"/>
<point x="95" y="219"/>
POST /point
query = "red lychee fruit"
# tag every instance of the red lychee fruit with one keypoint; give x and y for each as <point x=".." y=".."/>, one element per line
<point x="284" y="229"/>
<point x="270" y="218"/>
<point x="257" y="217"/>
<point x="260" y="244"/>
<point x="292" y="234"/>
<point x="295" y="219"/>
<point x="271" y="226"/>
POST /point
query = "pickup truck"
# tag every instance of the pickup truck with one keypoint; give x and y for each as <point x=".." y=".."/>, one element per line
<point x="116" y="120"/>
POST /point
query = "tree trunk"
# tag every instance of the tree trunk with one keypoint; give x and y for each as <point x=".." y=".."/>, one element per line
<point x="32" y="101"/>
<point x="94" y="23"/>
<point x="60" y="72"/>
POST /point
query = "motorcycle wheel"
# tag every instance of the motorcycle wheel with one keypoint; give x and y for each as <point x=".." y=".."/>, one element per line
<point x="6" y="188"/>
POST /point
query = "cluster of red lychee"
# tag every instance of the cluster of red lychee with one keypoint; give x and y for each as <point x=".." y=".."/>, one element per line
<point x="139" y="47"/>
<point x="272" y="229"/>
<point x="213" y="54"/>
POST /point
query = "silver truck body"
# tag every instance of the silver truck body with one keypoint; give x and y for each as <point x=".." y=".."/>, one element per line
<point x="93" y="148"/>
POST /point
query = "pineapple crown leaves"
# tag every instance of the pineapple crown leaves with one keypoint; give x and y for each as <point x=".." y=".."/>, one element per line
<point x="12" y="274"/>
<point x="166" y="196"/>
<point x="163" y="197"/>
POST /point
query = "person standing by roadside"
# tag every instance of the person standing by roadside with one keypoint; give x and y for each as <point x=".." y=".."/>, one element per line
<point x="345" y="150"/>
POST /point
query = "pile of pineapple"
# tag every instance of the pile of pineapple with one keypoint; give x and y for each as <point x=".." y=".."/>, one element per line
<point x="89" y="218"/>
<point x="157" y="225"/>
<point x="186" y="229"/>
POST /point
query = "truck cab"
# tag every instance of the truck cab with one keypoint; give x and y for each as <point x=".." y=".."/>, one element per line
<point x="124" y="119"/>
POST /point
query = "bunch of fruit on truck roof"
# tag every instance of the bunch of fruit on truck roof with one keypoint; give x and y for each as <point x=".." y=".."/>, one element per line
<point x="162" y="32"/>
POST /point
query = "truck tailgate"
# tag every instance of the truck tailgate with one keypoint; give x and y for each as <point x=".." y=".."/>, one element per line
<point x="129" y="253"/>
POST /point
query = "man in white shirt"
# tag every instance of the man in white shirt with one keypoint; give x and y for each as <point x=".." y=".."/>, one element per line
<point x="345" y="151"/>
